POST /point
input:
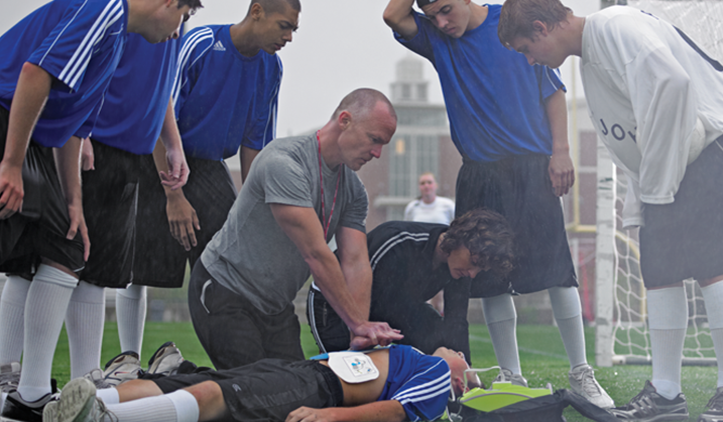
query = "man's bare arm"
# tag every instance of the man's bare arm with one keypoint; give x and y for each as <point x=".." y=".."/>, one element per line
<point x="354" y="261"/>
<point x="303" y="227"/>
<point x="380" y="411"/>
<point x="67" y="161"/>
<point x="182" y="218"/>
<point x="31" y="94"/>
<point x="246" y="156"/>
<point x="175" y="174"/>
<point x="561" y="169"/>
<point x="398" y="16"/>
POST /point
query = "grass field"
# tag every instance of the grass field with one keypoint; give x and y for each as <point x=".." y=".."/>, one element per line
<point x="541" y="353"/>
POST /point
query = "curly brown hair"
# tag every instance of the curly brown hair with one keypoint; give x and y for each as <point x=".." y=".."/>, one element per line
<point x="488" y="237"/>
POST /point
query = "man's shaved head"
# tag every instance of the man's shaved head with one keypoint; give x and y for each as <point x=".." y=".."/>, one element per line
<point x="362" y="101"/>
<point x="276" y="6"/>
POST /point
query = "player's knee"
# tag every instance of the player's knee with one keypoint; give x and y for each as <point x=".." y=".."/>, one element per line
<point x="210" y="401"/>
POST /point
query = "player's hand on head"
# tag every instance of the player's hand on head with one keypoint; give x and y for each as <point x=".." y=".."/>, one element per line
<point x="178" y="170"/>
<point x="182" y="220"/>
<point x="77" y="225"/>
<point x="87" y="158"/>
<point x="307" y="414"/>
<point x="11" y="190"/>
<point x="562" y="173"/>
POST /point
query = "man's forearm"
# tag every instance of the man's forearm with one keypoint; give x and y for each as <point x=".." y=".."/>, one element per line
<point x="31" y="94"/>
<point x="329" y="277"/>
<point x="68" y="165"/>
<point x="398" y="16"/>
<point x="556" y="108"/>
<point x="170" y="136"/>
<point x="359" y="281"/>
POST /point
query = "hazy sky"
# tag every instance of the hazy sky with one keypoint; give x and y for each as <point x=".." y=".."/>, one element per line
<point x="341" y="45"/>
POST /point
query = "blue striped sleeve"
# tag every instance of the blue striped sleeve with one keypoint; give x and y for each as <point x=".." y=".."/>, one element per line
<point x="67" y="50"/>
<point x="195" y="44"/>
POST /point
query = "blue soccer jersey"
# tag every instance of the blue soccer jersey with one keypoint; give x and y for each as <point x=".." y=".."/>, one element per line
<point x="495" y="100"/>
<point x="421" y="383"/>
<point x="138" y="96"/>
<point x="79" y="43"/>
<point x="223" y="99"/>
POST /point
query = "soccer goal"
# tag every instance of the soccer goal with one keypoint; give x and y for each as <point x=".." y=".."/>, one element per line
<point x="621" y="320"/>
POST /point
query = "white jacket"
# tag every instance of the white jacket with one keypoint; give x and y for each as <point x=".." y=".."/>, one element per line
<point x="655" y="101"/>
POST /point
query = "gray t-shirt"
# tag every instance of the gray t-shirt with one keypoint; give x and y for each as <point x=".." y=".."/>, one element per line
<point x="251" y="255"/>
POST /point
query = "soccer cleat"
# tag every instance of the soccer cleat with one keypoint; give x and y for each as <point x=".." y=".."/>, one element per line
<point x="9" y="377"/>
<point x="583" y="382"/>
<point x="714" y="412"/>
<point x="166" y="360"/>
<point x="20" y="410"/>
<point x="649" y="406"/>
<point x="78" y="403"/>
<point x="506" y="375"/>
<point x="122" y="368"/>
<point x="96" y="377"/>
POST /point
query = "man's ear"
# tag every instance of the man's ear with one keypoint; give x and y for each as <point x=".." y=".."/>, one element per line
<point x="344" y="119"/>
<point x="257" y="11"/>
<point x="458" y="384"/>
<point x="540" y="28"/>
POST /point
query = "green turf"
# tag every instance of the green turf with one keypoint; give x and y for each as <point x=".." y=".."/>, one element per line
<point x="541" y="353"/>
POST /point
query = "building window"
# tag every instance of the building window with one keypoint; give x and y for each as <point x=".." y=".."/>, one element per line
<point x="413" y="155"/>
<point x="406" y="92"/>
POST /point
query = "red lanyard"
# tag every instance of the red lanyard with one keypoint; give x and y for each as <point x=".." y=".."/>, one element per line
<point x="336" y="191"/>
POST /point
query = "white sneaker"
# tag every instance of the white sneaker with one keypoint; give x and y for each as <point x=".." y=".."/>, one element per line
<point x="77" y="403"/>
<point x="583" y="382"/>
<point x="50" y="413"/>
<point x="122" y="368"/>
<point x="506" y="375"/>
<point x="166" y="360"/>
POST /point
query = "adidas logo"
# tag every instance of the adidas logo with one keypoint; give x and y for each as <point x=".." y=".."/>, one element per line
<point x="219" y="46"/>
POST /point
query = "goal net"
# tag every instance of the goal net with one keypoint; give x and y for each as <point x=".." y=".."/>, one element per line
<point x="622" y="335"/>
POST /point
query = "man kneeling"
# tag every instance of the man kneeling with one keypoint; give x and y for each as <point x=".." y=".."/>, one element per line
<point x="387" y="384"/>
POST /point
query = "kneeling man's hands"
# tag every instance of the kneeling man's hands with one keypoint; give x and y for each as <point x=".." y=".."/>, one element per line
<point x="308" y="414"/>
<point x="369" y="334"/>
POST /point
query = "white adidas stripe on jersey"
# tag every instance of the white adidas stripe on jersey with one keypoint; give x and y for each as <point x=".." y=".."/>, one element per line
<point x="188" y="46"/>
<point x="75" y="67"/>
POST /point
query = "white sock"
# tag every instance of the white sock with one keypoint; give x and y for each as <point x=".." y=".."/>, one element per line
<point x="47" y="301"/>
<point x="568" y="315"/>
<point x="668" y="321"/>
<point x="178" y="406"/>
<point x="713" y="296"/>
<point x="501" y="319"/>
<point x="130" y="309"/>
<point x="108" y="395"/>
<point x="12" y="316"/>
<point x="84" y="322"/>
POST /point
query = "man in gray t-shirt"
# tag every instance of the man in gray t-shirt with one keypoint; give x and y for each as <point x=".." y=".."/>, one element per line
<point x="299" y="193"/>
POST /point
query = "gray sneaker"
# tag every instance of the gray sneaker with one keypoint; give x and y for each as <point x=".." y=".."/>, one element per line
<point x="166" y="360"/>
<point x="714" y="411"/>
<point x="9" y="377"/>
<point x="98" y="379"/>
<point x="583" y="382"/>
<point x="506" y="375"/>
<point x="122" y="368"/>
<point x="649" y="406"/>
<point x="78" y="403"/>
